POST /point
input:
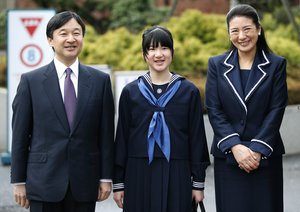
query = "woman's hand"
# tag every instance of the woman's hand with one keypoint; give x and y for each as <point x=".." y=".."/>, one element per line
<point x="119" y="198"/>
<point x="246" y="158"/>
<point x="197" y="195"/>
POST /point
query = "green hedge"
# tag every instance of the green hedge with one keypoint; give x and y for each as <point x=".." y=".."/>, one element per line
<point x="197" y="37"/>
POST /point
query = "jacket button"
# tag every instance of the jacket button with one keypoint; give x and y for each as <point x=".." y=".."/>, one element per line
<point x="242" y="122"/>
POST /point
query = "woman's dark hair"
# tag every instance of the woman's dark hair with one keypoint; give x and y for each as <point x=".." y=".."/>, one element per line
<point x="61" y="19"/>
<point x="154" y="36"/>
<point x="245" y="10"/>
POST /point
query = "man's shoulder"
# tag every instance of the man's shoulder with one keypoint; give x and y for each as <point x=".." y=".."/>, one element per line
<point x="38" y="71"/>
<point x="93" y="71"/>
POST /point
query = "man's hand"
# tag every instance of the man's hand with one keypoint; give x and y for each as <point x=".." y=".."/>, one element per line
<point x="104" y="190"/>
<point x="119" y="198"/>
<point x="19" y="192"/>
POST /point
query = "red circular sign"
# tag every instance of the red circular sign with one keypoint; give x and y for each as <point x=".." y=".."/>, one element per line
<point x="31" y="55"/>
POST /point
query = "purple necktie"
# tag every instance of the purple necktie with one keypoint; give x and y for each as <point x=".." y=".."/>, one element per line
<point x="69" y="97"/>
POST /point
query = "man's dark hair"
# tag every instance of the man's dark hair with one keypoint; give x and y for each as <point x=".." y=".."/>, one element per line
<point x="61" y="19"/>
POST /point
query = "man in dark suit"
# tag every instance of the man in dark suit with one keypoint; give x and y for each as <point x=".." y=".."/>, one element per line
<point x="63" y="128"/>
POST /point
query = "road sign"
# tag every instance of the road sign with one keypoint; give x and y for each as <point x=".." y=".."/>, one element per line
<point x="27" y="48"/>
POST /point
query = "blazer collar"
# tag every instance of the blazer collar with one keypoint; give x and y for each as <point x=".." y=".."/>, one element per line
<point x="147" y="79"/>
<point x="256" y="77"/>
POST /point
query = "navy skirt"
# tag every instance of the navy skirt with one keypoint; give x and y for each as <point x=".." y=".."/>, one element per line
<point x="258" y="191"/>
<point x="161" y="186"/>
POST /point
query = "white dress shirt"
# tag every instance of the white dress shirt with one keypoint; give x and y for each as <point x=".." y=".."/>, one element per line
<point x="61" y="68"/>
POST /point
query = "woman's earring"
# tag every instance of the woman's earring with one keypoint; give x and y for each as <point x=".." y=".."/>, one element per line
<point x="259" y="34"/>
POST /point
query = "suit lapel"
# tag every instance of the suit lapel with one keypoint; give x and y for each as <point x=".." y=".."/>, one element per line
<point x="53" y="92"/>
<point x="232" y="76"/>
<point x="83" y="93"/>
<point x="256" y="77"/>
<point x="257" y="74"/>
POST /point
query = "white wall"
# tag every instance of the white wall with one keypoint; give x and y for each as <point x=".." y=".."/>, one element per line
<point x="3" y="118"/>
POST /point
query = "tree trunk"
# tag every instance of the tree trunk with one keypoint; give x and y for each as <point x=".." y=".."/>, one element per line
<point x="172" y="10"/>
<point x="291" y="17"/>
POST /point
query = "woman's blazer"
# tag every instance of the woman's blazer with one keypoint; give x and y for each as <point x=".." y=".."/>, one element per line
<point x="254" y="115"/>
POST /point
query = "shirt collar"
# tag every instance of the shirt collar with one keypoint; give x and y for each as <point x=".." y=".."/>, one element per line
<point x="60" y="68"/>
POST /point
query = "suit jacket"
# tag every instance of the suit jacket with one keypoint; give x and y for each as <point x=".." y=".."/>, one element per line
<point x="253" y="116"/>
<point x="46" y="153"/>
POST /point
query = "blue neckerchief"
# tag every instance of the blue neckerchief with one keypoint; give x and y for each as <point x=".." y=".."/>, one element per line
<point x="158" y="130"/>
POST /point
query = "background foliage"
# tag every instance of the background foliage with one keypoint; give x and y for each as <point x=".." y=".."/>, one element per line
<point x="197" y="36"/>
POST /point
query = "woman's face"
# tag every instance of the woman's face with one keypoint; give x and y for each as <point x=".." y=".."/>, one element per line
<point x="159" y="59"/>
<point x="243" y="34"/>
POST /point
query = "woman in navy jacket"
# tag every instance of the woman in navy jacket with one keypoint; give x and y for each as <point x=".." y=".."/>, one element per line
<point x="246" y="95"/>
<point x="160" y="140"/>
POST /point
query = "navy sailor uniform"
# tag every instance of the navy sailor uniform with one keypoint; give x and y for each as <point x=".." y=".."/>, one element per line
<point x="161" y="185"/>
<point x="247" y="112"/>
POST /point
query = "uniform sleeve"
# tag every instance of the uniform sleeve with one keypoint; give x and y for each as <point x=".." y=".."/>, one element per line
<point x="225" y="135"/>
<point x="21" y="131"/>
<point x="199" y="156"/>
<point x="107" y="133"/>
<point x="122" y="135"/>
<point x="265" y="140"/>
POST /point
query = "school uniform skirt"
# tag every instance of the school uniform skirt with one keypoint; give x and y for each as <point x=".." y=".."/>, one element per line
<point x="259" y="191"/>
<point x="161" y="186"/>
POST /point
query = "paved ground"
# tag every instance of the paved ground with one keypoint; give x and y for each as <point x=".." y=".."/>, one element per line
<point x="291" y="190"/>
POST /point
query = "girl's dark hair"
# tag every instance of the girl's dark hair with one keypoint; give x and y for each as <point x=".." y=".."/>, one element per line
<point x="248" y="11"/>
<point x="61" y="19"/>
<point x="154" y="36"/>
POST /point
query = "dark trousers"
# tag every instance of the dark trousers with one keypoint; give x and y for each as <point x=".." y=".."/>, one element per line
<point x="68" y="204"/>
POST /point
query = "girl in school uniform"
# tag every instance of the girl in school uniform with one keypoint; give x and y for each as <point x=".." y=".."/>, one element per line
<point x="160" y="150"/>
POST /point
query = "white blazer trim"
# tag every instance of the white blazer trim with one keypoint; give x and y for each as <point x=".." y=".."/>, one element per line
<point x="228" y="136"/>
<point x="225" y="74"/>
<point x="264" y="74"/>
<point x="264" y="143"/>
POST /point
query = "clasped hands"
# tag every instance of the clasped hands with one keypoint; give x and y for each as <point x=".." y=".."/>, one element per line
<point x="246" y="158"/>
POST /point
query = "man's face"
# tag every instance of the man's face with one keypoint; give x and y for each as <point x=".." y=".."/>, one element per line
<point x="67" y="42"/>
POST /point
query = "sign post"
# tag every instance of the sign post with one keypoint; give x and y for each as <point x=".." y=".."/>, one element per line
<point x="27" y="49"/>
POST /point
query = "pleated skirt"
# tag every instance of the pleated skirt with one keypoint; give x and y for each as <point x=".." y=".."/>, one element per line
<point x="258" y="191"/>
<point x="161" y="186"/>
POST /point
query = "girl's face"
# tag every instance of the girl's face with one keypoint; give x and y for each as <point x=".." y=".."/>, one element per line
<point x="243" y="34"/>
<point x="159" y="59"/>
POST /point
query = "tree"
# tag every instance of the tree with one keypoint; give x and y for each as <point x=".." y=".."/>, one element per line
<point x="96" y="13"/>
<point x="107" y="14"/>
<point x="136" y="14"/>
<point x="291" y="17"/>
<point x="270" y="5"/>
<point x="3" y="30"/>
<point x="173" y="8"/>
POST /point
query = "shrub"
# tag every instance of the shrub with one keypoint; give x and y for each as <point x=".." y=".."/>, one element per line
<point x="3" y="30"/>
<point x="2" y="70"/>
